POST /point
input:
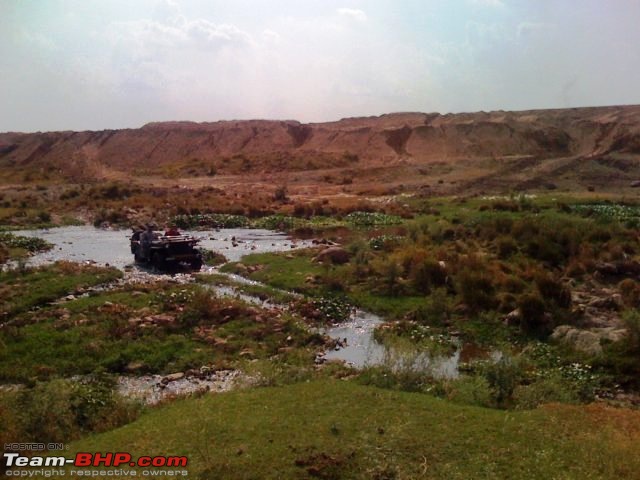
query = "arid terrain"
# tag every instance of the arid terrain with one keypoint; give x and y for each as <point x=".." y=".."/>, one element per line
<point x="470" y="279"/>
<point x="567" y="149"/>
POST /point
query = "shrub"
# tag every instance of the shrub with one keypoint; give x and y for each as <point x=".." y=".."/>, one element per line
<point x="630" y="291"/>
<point x="476" y="289"/>
<point x="470" y="390"/>
<point x="437" y="309"/>
<point x="367" y="219"/>
<point x="544" y="390"/>
<point x="532" y="314"/>
<point x="201" y="305"/>
<point x="390" y="282"/>
<point x="61" y="410"/>
<point x="211" y="257"/>
<point x="426" y="275"/>
<point x="503" y="377"/>
<point x="44" y="217"/>
<point x="632" y="323"/>
<point x="542" y="248"/>
<point x="328" y="309"/>
<point x="280" y="194"/>
<point x="335" y="280"/>
<point x="507" y="246"/>
<point x="553" y="290"/>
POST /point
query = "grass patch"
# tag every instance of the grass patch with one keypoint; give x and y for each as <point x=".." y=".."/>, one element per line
<point x="166" y="329"/>
<point x="21" y="290"/>
<point x="287" y="272"/>
<point x="337" y="429"/>
<point x="15" y="247"/>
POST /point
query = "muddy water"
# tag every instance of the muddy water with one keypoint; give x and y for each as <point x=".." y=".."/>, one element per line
<point x="79" y="244"/>
<point x="111" y="247"/>
<point x="362" y="350"/>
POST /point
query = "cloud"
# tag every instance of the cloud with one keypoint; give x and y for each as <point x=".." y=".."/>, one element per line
<point x="488" y="3"/>
<point x="353" y="14"/>
<point x="179" y="33"/>
<point x="271" y="36"/>
<point x="528" y="28"/>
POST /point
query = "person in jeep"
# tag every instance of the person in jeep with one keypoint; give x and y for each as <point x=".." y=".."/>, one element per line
<point x="146" y="238"/>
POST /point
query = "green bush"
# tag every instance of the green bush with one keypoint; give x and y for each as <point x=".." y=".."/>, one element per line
<point x="532" y="315"/>
<point x="211" y="257"/>
<point x="476" y="289"/>
<point x="631" y="321"/>
<point x="544" y="390"/>
<point x="503" y="377"/>
<point x="506" y="246"/>
<point x="437" y="309"/>
<point x="31" y="244"/>
<point x="553" y="290"/>
<point x="470" y="390"/>
<point x="61" y="410"/>
<point x="426" y="275"/>
<point x="389" y="281"/>
<point x="209" y="220"/>
<point x="369" y="219"/>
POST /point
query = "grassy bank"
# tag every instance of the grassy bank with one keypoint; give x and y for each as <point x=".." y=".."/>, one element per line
<point x="24" y="289"/>
<point x="336" y="429"/>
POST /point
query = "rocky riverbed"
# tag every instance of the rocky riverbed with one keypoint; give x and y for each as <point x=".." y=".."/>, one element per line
<point x="154" y="389"/>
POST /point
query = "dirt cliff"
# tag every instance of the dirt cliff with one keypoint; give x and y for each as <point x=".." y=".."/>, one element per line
<point x="266" y="146"/>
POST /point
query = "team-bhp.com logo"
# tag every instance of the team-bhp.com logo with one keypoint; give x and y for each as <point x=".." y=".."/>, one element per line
<point x="117" y="459"/>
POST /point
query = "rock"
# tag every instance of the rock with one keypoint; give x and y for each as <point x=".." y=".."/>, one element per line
<point x="135" y="367"/>
<point x="161" y="319"/>
<point x="335" y="255"/>
<point x="609" y="303"/>
<point x="172" y="377"/>
<point x="582" y="340"/>
<point x="613" y="334"/>
<point x="587" y="341"/>
<point x="219" y="341"/>
<point x="512" y="318"/>
<point x="635" y="184"/>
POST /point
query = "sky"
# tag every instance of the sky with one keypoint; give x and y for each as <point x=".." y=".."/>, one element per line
<point x="93" y="65"/>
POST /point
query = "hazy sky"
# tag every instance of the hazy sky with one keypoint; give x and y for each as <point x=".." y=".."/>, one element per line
<point x="88" y="64"/>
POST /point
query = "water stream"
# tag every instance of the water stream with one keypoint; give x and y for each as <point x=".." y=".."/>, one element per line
<point x="111" y="247"/>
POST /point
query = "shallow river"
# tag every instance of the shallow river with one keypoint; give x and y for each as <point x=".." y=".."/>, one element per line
<point x="88" y="244"/>
<point x="80" y="244"/>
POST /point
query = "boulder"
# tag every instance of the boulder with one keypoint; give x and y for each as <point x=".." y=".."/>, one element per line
<point x="335" y="255"/>
<point x="614" y="302"/>
<point x="587" y="341"/>
<point x="172" y="377"/>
